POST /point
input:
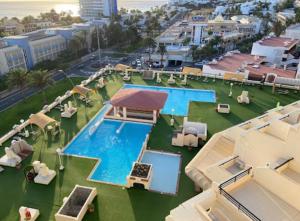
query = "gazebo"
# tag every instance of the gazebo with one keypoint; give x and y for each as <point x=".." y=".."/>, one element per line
<point x="44" y="122"/>
<point x="81" y="90"/>
<point x="192" y="71"/>
<point x="138" y="105"/>
<point x="122" y="67"/>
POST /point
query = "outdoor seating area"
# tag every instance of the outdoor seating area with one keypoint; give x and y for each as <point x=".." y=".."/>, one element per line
<point x="41" y="196"/>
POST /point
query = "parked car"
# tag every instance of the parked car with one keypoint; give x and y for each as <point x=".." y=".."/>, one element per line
<point x="157" y="64"/>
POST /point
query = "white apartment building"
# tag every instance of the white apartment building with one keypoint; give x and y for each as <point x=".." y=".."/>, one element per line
<point x="277" y="50"/>
<point x="11" y="58"/>
<point x="96" y="9"/>
<point x="245" y="67"/>
<point x="177" y="40"/>
<point x="237" y="27"/>
<point x="249" y="172"/>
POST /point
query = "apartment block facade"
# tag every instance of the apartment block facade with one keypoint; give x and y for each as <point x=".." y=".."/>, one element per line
<point x="11" y="58"/>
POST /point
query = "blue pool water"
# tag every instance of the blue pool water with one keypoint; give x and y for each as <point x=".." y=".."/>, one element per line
<point x="116" y="144"/>
<point x="166" y="169"/>
<point x="179" y="98"/>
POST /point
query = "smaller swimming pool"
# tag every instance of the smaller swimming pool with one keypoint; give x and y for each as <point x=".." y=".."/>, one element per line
<point x="179" y="98"/>
<point x="166" y="168"/>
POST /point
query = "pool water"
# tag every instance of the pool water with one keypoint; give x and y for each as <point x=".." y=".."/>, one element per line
<point x="117" y="144"/>
<point x="179" y="98"/>
<point x="166" y="168"/>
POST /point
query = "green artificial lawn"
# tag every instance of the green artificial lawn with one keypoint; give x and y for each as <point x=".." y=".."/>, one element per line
<point x="113" y="202"/>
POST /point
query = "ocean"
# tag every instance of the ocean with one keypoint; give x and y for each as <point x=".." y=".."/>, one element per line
<point x="17" y="8"/>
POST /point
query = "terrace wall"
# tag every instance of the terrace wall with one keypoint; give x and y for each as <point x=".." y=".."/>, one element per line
<point x="284" y="188"/>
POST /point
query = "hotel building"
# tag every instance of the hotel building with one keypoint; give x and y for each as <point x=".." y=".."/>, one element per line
<point x="11" y="58"/>
<point x="96" y="9"/>
<point x="38" y="46"/>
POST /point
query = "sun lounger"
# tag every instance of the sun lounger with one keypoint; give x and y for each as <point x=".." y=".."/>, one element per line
<point x="69" y="110"/>
<point x="100" y="83"/>
<point x="171" y="80"/>
<point x="14" y="155"/>
<point x="243" y="98"/>
<point x="10" y="159"/>
<point x="126" y="77"/>
<point x="44" y="174"/>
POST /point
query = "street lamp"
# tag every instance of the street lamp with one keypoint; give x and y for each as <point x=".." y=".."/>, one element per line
<point x="172" y="119"/>
<point x="98" y="42"/>
<point x="59" y="152"/>
<point x="230" y="92"/>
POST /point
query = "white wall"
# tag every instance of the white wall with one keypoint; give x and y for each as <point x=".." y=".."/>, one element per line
<point x="272" y="54"/>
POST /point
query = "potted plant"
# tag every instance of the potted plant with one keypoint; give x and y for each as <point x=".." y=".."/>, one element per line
<point x="91" y="208"/>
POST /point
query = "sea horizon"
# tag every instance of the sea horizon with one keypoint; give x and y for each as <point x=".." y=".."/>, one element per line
<point x="20" y="9"/>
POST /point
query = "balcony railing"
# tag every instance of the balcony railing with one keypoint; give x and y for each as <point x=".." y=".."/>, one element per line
<point x="283" y="163"/>
<point x="235" y="178"/>
<point x="232" y="199"/>
<point x="239" y="205"/>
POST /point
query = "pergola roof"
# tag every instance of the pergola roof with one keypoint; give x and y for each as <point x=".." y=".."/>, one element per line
<point x="41" y="120"/>
<point x="139" y="99"/>
<point x="192" y="71"/>
<point x="194" y="127"/>
<point x="121" y="67"/>
<point x="78" y="89"/>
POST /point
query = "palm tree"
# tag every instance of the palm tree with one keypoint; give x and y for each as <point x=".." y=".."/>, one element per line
<point x="162" y="51"/>
<point x="41" y="79"/>
<point x="74" y="45"/>
<point x="17" y="78"/>
<point x="150" y="44"/>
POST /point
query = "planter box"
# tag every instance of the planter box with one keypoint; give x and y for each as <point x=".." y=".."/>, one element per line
<point x="76" y="205"/>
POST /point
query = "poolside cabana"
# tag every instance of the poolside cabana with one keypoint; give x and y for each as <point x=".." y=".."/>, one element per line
<point x="190" y="134"/>
<point x="122" y="67"/>
<point x="190" y="71"/>
<point x="228" y="76"/>
<point x="137" y="105"/>
<point x="81" y="90"/>
<point x="44" y="122"/>
<point x="83" y="93"/>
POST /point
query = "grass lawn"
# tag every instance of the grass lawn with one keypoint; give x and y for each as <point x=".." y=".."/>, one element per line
<point x="115" y="203"/>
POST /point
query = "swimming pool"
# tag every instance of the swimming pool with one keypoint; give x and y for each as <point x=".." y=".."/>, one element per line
<point x="116" y="144"/>
<point x="166" y="168"/>
<point x="179" y="98"/>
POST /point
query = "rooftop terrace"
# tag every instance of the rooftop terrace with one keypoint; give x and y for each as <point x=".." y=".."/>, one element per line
<point x="115" y="203"/>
